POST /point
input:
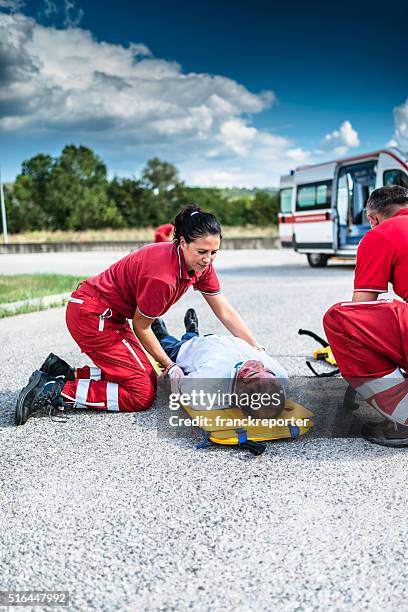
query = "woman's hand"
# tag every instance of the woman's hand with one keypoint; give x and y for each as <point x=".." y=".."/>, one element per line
<point x="174" y="373"/>
<point x="260" y="347"/>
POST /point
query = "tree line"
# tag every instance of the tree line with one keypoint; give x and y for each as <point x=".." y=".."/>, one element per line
<point x="72" y="192"/>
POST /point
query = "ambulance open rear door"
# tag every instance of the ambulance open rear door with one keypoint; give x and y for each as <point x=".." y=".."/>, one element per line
<point x="392" y="168"/>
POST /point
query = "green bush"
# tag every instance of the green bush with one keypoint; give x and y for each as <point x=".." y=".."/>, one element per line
<point x="72" y="192"/>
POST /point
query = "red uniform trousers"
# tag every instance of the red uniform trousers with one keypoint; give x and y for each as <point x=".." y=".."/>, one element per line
<point x="370" y="343"/>
<point x="124" y="379"/>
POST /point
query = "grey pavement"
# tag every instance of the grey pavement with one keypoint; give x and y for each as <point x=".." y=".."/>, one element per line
<point x="109" y="508"/>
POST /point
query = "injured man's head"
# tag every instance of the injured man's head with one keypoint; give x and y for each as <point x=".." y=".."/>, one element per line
<point x="260" y="393"/>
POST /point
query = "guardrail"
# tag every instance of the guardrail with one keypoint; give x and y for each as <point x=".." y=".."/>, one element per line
<point x="125" y="245"/>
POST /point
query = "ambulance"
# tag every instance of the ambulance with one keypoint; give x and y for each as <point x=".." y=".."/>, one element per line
<point x="322" y="207"/>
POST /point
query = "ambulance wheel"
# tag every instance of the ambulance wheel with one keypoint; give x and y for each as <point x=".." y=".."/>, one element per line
<point x="317" y="260"/>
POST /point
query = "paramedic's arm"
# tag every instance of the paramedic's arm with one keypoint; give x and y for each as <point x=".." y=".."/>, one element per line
<point x="365" y="296"/>
<point x="229" y="317"/>
<point x="375" y="255"/>
<point x="141" y="327"/>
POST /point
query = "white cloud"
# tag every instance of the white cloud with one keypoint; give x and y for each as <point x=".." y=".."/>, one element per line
<point x="244" y="157"/>
<point x="298" y="155"/>
<point x="64" y="11"/>
<point x="237" y="136"/>
<point x="73" y="17"/>
<point x="50" y="8"/>
<point x="401" y="126"/>
<point x="341" y="140"/>
<point x="71" y="81"/>
<point x="62" y="84"/>
<point x="12" y="5"/>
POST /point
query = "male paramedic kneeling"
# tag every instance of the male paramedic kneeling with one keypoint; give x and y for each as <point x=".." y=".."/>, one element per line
<point x="141" y="286"/>
<point x="369" y="338"/>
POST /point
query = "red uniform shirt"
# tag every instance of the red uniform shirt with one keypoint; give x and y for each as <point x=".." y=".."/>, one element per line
<point x="382" y="257"/>
<point x="151" y="279"/>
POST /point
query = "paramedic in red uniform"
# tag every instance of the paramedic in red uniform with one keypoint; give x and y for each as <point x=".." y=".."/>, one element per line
<point x="142" y="286"/>
<point x="369" y="338"/>
<point x="163" y="233"/>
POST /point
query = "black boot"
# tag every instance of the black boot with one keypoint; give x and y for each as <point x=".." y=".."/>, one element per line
<point x="386" y="433"/>
<point x="191" y="321"/>
<point x="42" y="391"/>
<point x="159" y="329"/>
<point x="55" y="366"/>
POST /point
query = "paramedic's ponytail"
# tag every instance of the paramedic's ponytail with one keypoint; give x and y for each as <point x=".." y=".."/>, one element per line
<point x="193" y="223"/>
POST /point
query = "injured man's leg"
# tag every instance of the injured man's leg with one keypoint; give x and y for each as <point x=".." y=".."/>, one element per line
<point x="169" y="343"/>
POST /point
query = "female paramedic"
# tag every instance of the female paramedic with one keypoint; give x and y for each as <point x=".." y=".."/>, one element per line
<point x="142" y="286"/>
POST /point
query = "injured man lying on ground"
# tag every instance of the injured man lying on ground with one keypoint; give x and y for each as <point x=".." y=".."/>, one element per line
<point x="218" y="372"/>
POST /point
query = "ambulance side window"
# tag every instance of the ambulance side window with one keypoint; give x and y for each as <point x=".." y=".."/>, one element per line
<point x="395" y="177"/>
<point x="286" y="200"/>
<point x="314" y="196"/>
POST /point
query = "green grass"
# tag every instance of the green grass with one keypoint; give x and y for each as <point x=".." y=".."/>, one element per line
<point x="4" y="312"/>
<point x="16" y="287"/>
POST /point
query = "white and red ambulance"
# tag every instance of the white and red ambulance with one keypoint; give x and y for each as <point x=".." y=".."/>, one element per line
<point x="322" y="207"/>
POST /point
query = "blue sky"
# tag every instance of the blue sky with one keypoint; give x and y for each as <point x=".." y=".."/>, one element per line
<point x="234" y="93"/>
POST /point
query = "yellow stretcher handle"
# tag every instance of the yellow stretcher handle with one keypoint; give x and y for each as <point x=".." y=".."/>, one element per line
<point x="325" y="354"/>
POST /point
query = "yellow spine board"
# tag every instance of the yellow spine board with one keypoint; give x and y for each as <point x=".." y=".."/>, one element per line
<point x="222" y="425"/>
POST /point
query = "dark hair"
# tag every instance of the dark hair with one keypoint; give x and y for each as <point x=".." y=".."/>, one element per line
<point x="384" y="198"/>
<point x="193" y="223"/>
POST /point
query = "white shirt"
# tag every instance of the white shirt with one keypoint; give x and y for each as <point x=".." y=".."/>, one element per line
<point x="217" y="359"/>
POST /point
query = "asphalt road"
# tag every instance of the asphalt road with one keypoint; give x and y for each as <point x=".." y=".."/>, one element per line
<point x="125" y="517"/>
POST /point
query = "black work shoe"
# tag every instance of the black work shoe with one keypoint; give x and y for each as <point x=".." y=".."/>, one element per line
<point x="386" y="433"/>
<point x="191" y="321"/>
<point x="42" y="391"/>
<point x="159" y="329"/>
<point x="55" y="366"/>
